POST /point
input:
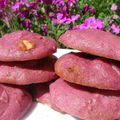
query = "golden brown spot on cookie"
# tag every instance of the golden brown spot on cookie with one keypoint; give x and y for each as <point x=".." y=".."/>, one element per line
<point x="75" y="74"/>
<point x="70" y="69"/>
<point x="73" y="69"/>
<point x="26" y="45"/>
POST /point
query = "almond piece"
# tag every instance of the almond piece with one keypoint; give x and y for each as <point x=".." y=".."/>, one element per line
<point x="26" y="45"/>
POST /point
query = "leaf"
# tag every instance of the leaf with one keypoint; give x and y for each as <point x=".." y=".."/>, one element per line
<point x="106" y="23"/>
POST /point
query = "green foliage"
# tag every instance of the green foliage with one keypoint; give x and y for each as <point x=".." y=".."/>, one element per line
<point x="102" y="11"/>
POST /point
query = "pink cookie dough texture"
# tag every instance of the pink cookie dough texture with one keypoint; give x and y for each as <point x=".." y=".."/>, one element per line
<point x="28" y="72"/>
<point x="95" y="42"/>
<point x="25" y="45"/>
<point x="88" y="70"/>
<point x="14" y="102"/>
<point x="85" y="103"/>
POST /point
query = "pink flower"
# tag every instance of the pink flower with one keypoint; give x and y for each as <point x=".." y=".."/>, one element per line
<point x="81" y="26"/>
<point x="114" y="7"/>
<point x="60" y="18"/>
<point x="73" y="18"/>
<point x="93" y="23"/>
<point x="19" y="5"/>
<point x="16" y="6"/>
<point x="71" y="2"/>
<point x="115" y="29"/>
<point x="115" y="16"/>
<point x="90" y="23"/>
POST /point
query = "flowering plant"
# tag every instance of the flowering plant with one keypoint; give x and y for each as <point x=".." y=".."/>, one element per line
<point x="54" y="17"/>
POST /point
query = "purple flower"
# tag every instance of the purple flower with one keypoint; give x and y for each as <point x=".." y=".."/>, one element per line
<point x="64" y="18"/>
<point x="71" y="2"/>
<point x="2" y="4"/>
<point x="32" y="5"/>
<point x="111" y="22"/>
<point x="114" y="7"/>
<point x="85" y="8"/>
<point x="90" y="23"/>
<point x="91" y="10"/>
<point x="51" y="15"/>
<point x="35" y="13"/>
<point x="58" y="2"/>
<point x="81" y="26"/>
<point x="60" y="18"/>
<point x="26" y="23"/>
<point x="5" y="19"/>
<point x="1" y="13"/>
<point x="15" y="6"/>
<point x="63" y="2"/>
<point x="47" y="2"/>
<point x="115" y="29"/>
<point x="118" y="6"/>
<point x="19" y="5"/>
<point x="24" y="14"/>
<point x="73" y="18"/>
<point x="44" y="28"/>
<point x="93" y="23"/>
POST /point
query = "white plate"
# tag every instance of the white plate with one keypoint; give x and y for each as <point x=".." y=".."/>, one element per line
<point x="43" y="112"/>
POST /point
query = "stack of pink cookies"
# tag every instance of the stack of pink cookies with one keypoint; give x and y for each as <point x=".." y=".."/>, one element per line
<point x="25" y="58"/>
<point x="89" y="83"/>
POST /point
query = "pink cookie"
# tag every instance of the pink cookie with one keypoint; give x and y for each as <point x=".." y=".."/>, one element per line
<point x="94" y="42"/>
<point x="25" y="45"/>
<point x="89" y="70"/>
<point x="14" y="102"/>
<point x="28" y="72"/>
<point x="41" y="93"/>
<point x="85" y="103"/>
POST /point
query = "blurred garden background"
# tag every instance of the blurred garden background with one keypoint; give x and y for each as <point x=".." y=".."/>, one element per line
<point x="53" y="17"/>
